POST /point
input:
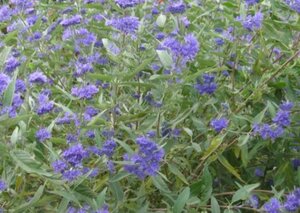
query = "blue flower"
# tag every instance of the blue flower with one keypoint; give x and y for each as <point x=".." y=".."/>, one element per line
<point x="252" y="23"/>
<point x="38" y="78"/>
<point x="59" y="166"/>
<point x="294" y="5"/>
<point x="3" y="185"/>
<point x="272" y="206"/>
<point x="176" y="7"/>
<point x="127" y="24"/>
<point x="74" y="20"/>
<point x="86" y="92"/>
<point x="219" y="124"/>
<point x="42" y="135"/>
<point x="128" y="3"/>
<point x="208" y="85"/>
<point x="4" y="82"/>
<point x="75" y="154"/>
<point x="147" y="160"/>
<point x="11" y="64"/>
<point x="251" y="2"/>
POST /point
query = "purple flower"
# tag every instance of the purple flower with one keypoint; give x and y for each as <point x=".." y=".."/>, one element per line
<point x="75" y="154"/>
<point x="72" y="138"/>
<point x="259" y="172"/>
<point x="253" y="201"/>
<point x="84" y="37"/>
<point x="111" y="167"/>
<point x="45" y="106"/>
<point x="219" y="124"/>
<point x="71" y="175"/>
<point x="5" y="13"/>
<point x="59" y="166"/>
<point x="42" y="135"/>
<point x="160" y="36"/>
<point x="190" y="48"/>
<point x="127" y="24"/>
<point x="76" y="19"/>
<point x="89" y="113"/>
<point x="90" y="134"/>
<point x="11" y="64"/>
<point x="67" y="119"/>
<point x="292" y="203"/>
<point x="282" y="118"/>
<point x="185" y="21"/>
<point x="108" y="148"/>
<point x="296" y="163"/>
<point x="251" y="2"/>
<point x="4" y="82"/>
<point x="86" y="92"/>
<point x="252" y="23"/>
<point x="147" y="160"/>
<point x="219" y="41"/>
<point x="3" y="185"/>
<point x="128" y="3"/>
<point x="82" y="66"/>
<point x="208" y="85"/>
<point x="272" y="206"/>
<point x="20" y="86"/>
<point x="23" y="4"/>
<point x="266" y="131"/>
<point x="36" y="36"/>
<point x="228" y="34"/>
<point x="176" y="7"/>
<point x="38" y="78"/>
<point x="286" y="106"/>
<point x="294" y="5"/>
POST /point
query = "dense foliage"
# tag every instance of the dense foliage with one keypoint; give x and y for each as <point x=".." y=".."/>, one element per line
<point x="150" y="106"/>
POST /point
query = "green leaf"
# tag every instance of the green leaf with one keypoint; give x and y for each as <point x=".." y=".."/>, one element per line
<point x="119" y="176"/>
<point x="4" y="54"/>
<point x="203" y="187"/>
<point x="165" y="58"/>
<point x="229" y="167"/>
<point x="244" y="192"/>
<point x="161" y="20"/>
<point x="32" y="201"/>
<point x="117" y="191"/>
<point x="28" y="163"/>
<point x="215" y="143"/>
<point x="215" y="208"/>
<point x="181" y="200"/>
<point x="8" y="95"/>
<point x="100" y="200"/>
<point x="173" y="168"/>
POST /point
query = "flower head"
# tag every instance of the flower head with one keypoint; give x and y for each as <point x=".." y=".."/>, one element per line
<point x="42" y="134"/>
<point x="86" y="92"/>
<point x="127" y="24"/>
<point x="272" y="206"/>
<point x="219" y="124"/>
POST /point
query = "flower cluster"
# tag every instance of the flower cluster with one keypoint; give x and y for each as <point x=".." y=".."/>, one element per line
<point x="294" y="4"/>
<point x="207" y="86"/>
<point x="280" y="121"/>
<point x="184" y="51"/>
<point x="291" y="203"/>
<point x="219" y="124"/>
<point x="43" y="134"/>
<point x="147" y="160"/>
<point x="252" y="23"/>
<point x="70" y="166"/>
<point x="128" y="24"/>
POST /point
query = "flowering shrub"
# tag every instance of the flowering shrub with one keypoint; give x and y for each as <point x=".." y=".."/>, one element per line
<point x="149" y="106"/>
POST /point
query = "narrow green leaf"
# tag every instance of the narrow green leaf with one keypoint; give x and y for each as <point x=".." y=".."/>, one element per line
<point x="215" y="208"/>
<point x="181" y="200"/>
